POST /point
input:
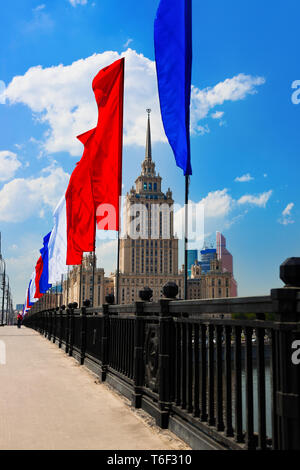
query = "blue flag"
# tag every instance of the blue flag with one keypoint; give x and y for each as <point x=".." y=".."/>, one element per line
<point x="173" y="55"/>
<point x="44" y="279"/>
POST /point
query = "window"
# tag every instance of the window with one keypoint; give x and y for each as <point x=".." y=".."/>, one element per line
<point x="155" y="186"/>
<point x="150" y="186"/>
<point x="145" y="186"/>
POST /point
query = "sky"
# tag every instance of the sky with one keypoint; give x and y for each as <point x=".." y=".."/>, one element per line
<point x="245" y="115"/>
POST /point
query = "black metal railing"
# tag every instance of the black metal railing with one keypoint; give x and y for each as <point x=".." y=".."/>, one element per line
<point x="199" y="371"/>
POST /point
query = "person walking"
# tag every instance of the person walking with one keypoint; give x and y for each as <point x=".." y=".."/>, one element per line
<point x="19" y="319"/>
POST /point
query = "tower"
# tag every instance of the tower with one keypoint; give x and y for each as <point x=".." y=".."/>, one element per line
<point x="227" y="261"/>
<point x="149" y="251"/>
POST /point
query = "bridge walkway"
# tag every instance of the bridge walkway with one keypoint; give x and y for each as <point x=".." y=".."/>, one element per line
<point x="48" y="401"/>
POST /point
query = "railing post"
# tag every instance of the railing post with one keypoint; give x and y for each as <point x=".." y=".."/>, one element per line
<point x="83" y="332"/>
<point x="68" y="311"/>
<point x="43" y="323"/>
<point x="50" y="324"/>
<point x="55" y="324"/>
<point x="286" y="370"/>
<point x="104" y="342"/>
<point x="46" y="323"/>
<point x="71" y="332"/>
<point x="138" y="361"/>
<point x="164" y="363"/>
<point x="60" y="325"/>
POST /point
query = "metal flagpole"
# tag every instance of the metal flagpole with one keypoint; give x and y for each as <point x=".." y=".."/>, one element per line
<point x="7" y="296"/>
<point x="118" y="268"/>
<point x="3" y="296"/>
<point x="80" y="285"/>
<point x="61" y="285"/>
<point x="186" y="236"/>
<point x="67" y="287"/>
<point x="94" y="267"/>
<point x="93" y="279"/>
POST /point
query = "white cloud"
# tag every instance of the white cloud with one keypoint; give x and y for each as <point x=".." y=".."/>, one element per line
<point x="61" y="97"/>
<point x="244" y="178"/>
<point x="286" y="215"/>
<point x="259" y="200"/>
<point x="129" y="41"/>
<point x="40" y="22"/>
<point x="74" y="3"/>
<point x="217" y="115"/>
<point x="231" y="89"/>
<point x="211" y="213"/>
<point x="9" y="164"/>
<point x="106" y="252"/>
<point x="287" y="210"/>
<point x="39" y="7"/>
<point x="2" y="90"/>
<point x="217" y="203"/>
<point x="22" y="198"/>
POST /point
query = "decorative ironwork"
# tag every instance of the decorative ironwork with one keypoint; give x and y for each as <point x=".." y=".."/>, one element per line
<point x="151" y="357"/>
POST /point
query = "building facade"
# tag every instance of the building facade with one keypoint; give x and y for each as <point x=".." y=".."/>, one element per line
<point x="82" y="276"/>
<point x="149" y="251"/>
<point x="192" y="257"/>
<point x="226" y="260"/>
<point x="211" y="284"/>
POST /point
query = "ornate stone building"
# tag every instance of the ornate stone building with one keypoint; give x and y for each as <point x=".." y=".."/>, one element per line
<point x="102" y="284"/>
<point x="148" y="251"/>
<point x="213" y="284"/>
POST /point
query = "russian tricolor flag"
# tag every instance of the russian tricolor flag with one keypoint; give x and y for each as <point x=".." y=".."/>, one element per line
<point x="96" y="180"/>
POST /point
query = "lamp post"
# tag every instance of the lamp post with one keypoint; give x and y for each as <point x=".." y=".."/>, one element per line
<point x="3" y="291"/>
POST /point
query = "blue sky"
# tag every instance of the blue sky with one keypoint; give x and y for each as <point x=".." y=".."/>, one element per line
<point x="245" y="128"/>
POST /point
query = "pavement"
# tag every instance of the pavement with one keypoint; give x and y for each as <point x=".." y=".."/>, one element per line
<point x="49" y="401"/>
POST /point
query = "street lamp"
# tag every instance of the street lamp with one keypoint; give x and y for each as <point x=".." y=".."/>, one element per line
<point x="3" y="289"/>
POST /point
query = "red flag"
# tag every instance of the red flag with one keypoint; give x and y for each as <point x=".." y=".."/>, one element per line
<point x="38" y="273"/>
<point x="97" y="177"/>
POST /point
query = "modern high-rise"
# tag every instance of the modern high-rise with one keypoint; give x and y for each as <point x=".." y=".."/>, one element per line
<point x="227" y="260"/>
<point x="206" y="256"/>
<point x="192" y="257"/>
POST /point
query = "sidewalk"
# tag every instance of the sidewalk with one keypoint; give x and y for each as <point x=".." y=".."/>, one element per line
<point x="47" y="401"/>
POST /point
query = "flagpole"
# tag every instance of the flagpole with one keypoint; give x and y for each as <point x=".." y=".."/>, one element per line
<point x="93" y="280"/>
<point x="61" y="286"/>
<point x="94" y="266"/>
<point x="80" y="285"/>
<point x="118" y="268"/>
<point x="67" y="287"/>
<point x="186" y="237"/>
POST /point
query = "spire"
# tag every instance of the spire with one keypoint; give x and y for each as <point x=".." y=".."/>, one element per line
<point x="148" y="153"/>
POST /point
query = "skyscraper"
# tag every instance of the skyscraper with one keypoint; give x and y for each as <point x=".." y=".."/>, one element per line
<point x="192" y="257"/>
<point x="227" y="261"/>
<point x="149" y="252"/>
<point x="206" y="256"/>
